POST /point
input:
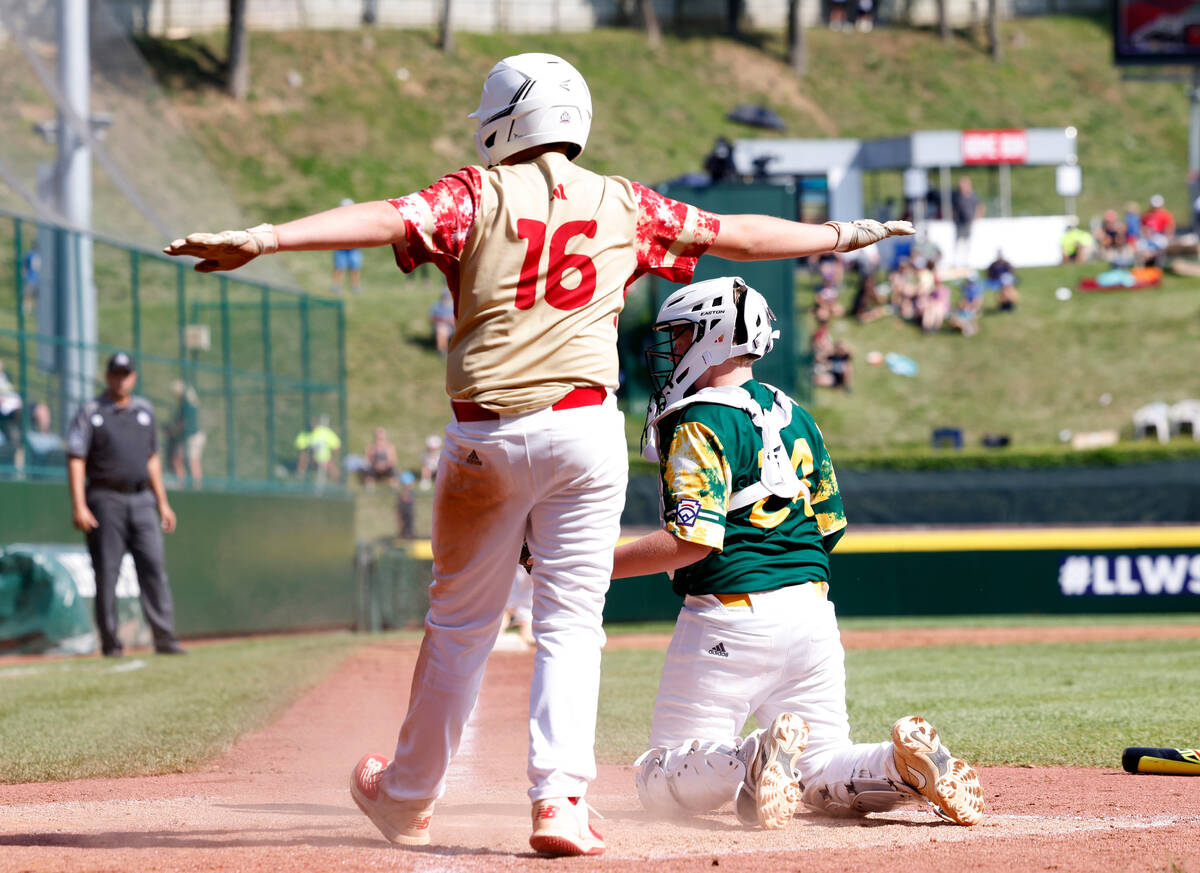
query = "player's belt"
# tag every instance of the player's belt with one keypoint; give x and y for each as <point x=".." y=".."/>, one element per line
<point x="733" y="599"/>
<point x="822" y="589"/>
<point x="589" y="395"/>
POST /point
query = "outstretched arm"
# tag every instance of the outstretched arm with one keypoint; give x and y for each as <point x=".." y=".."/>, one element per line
<point x="362" y="225"/>
<point x="765" y="237"/>
<point x="659" y="552"/>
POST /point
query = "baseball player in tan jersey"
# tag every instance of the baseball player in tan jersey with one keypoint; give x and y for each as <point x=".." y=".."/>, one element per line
<point x="538" y="253"/>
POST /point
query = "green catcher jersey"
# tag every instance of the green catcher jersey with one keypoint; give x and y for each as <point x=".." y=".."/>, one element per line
<point x="715" y="450"/>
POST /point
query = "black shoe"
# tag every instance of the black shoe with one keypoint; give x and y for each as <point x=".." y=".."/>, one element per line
<point x="114" y="653"/>
<point x="171" y="648"/>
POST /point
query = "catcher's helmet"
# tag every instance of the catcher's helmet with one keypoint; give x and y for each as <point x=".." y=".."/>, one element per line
<point x="529" y="100"/>
<point x="727" y="319"/>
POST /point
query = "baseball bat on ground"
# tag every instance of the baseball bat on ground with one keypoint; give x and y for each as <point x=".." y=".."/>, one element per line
<point x="1168" y="762"/>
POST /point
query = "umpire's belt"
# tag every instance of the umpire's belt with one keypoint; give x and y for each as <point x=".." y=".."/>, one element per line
<point x="117" y="485"/>
<point x="590" y="395"/>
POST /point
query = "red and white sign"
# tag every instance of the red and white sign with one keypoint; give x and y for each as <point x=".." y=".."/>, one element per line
<point x="995" y="147"/>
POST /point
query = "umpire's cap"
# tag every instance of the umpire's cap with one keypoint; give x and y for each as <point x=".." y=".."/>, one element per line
<point x="121" y="363"/>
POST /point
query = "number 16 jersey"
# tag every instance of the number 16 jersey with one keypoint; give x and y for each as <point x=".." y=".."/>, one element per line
<point x="538" y="256"/>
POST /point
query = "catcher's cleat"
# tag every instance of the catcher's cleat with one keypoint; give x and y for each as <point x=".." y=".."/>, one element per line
<point x="560" y="827"/>
<point x="950" y="784"/>
<point x="402" y="821"/>
<point x="771" y="792"/>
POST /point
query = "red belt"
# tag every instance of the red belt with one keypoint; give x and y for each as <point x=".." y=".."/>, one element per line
<point x="590" y="395"/>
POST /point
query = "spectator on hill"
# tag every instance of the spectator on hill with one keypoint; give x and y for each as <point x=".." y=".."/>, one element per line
<point x="380" y="458"/>
<point x="429" y="461"/>
<point x="347" y="261"/>
<point x="185" y="440"/>
<point x="1150" y="248"/>
<point x="827" y="303"/>
<point x="837" y="15"/>
<point x="965" y="316"/>
<point x="1002" y="279"/>
<point x="903" y="282"/>
<point x="870" y="301"/>
<point x="319" y="446"/>
<point x="821" y="341"/>
<point x="31" y="277"/>
<point x="965" y="207"/>
<point x="926" y="279"/>
<point x="441" y="320"/>
<point x="936" y="308"/>
<point x="1133" y="223"/>
<point x="44" y="444"/>
<point x="10" y="417"/>
<point x="1110" y="238"/>
<point x="1158" y="218"/>
<point x="1077" y="244"/>
<point x="830" y="268"/>
<point x="865" y="20"/>
<point x="838" y="368"/>
<point x="405" y="506"/>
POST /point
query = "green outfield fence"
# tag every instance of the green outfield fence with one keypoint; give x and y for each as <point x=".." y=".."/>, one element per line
<point x="1093" y="570"/>
<point x="261" y="361"/>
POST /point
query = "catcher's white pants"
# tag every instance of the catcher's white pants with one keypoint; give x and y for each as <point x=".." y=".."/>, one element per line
<point x="520" y="597"/>
<point x="557" y="477"/>
<point x="783" y="653"/>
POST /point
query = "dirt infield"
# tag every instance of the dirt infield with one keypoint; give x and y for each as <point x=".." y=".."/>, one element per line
<point x="279" y="801"/>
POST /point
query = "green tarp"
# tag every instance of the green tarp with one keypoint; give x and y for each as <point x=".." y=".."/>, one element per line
<point x="47" y="594"/>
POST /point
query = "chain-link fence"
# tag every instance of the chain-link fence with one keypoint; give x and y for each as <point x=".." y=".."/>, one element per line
<point x="237" y="370"/>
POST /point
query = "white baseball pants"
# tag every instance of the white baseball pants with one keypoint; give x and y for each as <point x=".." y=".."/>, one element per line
<point x="520" y="597"/>
<point x="558" y="478"/>
<point x="783" y="653"/>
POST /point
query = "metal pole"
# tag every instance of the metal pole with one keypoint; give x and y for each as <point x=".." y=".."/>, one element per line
<point x="22" y="353"/>
<point x="227" y="364"/>
<point x="135" y="295"/>
<point x="1005" y="174"/>
<point x="74" y="194"/>
<point x="268" y="382"/>
<point x="1194" y="142"/>
<point x="341" y="341"/>
<point x="181" y="317"/>
<point x="305" y="369"/>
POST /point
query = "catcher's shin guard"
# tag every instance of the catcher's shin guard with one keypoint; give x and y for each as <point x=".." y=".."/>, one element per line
<point x="858" y="796"/>
<point x="693" y="778"/>
<point x="950" y="784"/>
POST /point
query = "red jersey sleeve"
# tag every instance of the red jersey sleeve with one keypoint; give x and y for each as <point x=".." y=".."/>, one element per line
<point x="671" y="236"/>
<point x="438" y="219"/>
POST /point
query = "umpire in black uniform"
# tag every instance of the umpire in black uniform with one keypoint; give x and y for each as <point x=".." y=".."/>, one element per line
<point x="112" y="443"/>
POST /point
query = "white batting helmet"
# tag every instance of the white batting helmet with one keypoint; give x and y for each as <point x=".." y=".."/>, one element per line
<point x="529" y="100"/>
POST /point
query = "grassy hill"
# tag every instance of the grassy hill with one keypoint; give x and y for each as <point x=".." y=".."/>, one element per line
<point x="383" y="113"/>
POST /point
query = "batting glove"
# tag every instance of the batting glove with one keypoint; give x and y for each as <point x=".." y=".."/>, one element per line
<point x="867" y="231"/>
<point x="228" y="249"/>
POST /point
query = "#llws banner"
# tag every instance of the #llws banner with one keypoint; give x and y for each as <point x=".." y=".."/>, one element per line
<point x="1129" y="575"/>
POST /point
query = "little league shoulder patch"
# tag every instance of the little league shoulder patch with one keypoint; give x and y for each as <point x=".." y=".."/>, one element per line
<point x="687" y="511"/>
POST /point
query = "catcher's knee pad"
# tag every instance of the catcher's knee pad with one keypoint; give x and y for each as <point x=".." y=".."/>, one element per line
<point x="693" y="778"/>
<point x="857" y="796"/>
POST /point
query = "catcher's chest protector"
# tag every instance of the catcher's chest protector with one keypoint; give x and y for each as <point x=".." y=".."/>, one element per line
<point x="778" y="476"/>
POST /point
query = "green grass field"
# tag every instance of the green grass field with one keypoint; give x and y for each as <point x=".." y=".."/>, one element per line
<point x="1027" y="705"/>
<point x="77" y="719"/>
<point x="1032" y="705"/>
